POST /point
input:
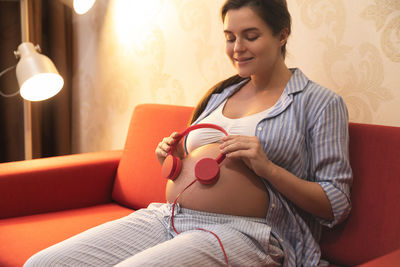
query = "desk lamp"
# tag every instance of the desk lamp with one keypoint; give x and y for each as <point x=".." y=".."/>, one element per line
<point x="37" y="75"/>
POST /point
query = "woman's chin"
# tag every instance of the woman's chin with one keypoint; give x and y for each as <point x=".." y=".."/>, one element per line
<point x="244" y="74"/>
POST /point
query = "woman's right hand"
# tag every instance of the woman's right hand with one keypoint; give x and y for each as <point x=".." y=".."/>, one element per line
<point x="164" y="147"/>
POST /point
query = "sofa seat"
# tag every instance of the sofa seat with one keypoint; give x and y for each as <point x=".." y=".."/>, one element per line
<point x="21" y="237"/>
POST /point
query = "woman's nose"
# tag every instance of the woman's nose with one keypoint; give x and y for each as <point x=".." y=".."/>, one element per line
<point x="239" y="46"/>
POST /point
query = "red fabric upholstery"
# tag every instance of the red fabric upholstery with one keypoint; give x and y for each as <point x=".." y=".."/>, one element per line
<point x="21" y="237"/>
<point x="56" y="183"/>
<point x="391" y="259"/>
<point x="373" y="227"/>
<point x="139" y="181"/>
<point x="78" y="181"/>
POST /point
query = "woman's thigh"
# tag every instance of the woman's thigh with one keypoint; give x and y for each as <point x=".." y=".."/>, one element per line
<point x="201" y="248"/>
<point x="106" y="244"/>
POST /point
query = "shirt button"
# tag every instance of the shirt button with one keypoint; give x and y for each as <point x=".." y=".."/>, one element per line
<point x="259" y="128"/>
<point x="273" y="206"/>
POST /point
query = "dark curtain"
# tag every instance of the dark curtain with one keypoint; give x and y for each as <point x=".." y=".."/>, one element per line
<point x="11" y="109"/>
<point x="50" y="26"/>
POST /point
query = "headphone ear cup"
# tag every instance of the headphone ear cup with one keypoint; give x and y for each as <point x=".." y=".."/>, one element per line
<point x="207" y="171"/>
<point x="171" y="167"/>
<point x="178" y="168"/>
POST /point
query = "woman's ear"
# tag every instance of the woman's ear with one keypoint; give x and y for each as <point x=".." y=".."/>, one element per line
<point x="283" y="36"/>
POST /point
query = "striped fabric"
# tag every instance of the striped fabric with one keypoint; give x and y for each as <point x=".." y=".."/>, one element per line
<point x="146" y="238"/>
<point x="306" y="132"/>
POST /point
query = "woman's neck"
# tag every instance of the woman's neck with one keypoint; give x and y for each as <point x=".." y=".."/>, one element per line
<point x="272" y="80"/>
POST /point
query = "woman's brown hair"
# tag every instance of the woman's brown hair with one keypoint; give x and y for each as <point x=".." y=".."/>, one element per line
<point x="274" y="13"/>
<point x="218" y="88"/>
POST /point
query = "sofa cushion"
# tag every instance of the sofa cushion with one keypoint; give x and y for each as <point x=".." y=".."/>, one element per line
<point x="372" y="229"/>
<point x="138" y="181"/>
<point x="21" y="237"/>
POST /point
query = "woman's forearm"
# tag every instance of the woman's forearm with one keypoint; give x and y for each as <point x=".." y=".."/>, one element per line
<point x="309" y="196"/>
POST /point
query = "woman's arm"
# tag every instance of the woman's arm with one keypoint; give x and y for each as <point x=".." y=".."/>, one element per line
<point x="309" y="196"/>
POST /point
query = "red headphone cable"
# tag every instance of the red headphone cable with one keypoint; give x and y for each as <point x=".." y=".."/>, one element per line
<point x="202" y="229"/>
<point x="173" y="206"/>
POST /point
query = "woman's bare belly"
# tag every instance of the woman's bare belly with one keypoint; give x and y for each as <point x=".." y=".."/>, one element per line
<point x="238" y="190"/>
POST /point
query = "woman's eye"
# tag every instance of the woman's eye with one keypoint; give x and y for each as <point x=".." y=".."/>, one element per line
<point x="230" y="39"/>
<point x="248" y="38"/>
<point x="252" y="38"/>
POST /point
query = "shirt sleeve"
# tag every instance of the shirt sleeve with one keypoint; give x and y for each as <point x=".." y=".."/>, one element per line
<point x="330" y="158"/>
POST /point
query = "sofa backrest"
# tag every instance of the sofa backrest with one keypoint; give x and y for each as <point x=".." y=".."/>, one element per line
<point x="138" y="180"/>
<point x="373" y="226"/>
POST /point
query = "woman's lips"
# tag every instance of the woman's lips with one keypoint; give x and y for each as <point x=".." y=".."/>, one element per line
<point x="243" y="60"/>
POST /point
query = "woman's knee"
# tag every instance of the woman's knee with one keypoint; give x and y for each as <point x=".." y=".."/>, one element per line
<point x="42" y="259"/>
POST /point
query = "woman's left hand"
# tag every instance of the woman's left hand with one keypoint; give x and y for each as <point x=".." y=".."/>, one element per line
<point x="248" y="149"/>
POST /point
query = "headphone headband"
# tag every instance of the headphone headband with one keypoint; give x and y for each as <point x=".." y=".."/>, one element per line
<point x="221" y="157"/>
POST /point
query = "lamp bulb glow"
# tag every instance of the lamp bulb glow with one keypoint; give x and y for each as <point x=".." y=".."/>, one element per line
<point x="83" y="6"/>
<point x="41" y="86"/>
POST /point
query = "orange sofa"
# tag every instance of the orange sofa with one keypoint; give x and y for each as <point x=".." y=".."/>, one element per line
<point x="44" y="201"/>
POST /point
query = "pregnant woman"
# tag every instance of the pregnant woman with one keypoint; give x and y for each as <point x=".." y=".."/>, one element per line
<point x="286" y="170"/>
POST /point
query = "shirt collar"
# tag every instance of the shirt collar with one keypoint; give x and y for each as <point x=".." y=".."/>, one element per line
<point x="297" y="82"/>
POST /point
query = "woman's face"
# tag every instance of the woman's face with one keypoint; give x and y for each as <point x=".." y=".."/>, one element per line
<point x="250" y="43"/>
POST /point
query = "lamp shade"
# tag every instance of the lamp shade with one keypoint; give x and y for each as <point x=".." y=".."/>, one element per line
<point x="37" y="76"/>
<point x="80" y="6"/>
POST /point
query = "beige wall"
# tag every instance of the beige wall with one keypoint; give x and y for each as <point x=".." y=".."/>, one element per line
<point x="171" y="51"/>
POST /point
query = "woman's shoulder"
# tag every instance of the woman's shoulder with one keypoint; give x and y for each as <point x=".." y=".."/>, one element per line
<point x="316" y="95"/>
<point x="315" y="101"/>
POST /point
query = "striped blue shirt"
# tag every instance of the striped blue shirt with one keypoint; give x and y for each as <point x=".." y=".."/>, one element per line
<point x="306" y="132"/>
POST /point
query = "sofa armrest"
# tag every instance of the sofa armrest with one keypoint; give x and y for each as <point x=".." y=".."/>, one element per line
<point x="391" y="259"/>
<point x="57" y="183"/>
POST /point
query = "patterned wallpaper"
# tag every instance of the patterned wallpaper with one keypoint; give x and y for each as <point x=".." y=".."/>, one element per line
<point x="171" y="51"/>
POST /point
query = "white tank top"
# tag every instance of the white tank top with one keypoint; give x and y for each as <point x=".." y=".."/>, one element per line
<point x="240" y="126"/>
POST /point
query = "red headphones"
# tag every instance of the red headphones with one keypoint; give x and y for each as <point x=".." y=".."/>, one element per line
<point x="206" y="169"/>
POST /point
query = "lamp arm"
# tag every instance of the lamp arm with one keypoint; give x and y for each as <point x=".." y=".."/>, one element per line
<point x="1" y="74"/>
